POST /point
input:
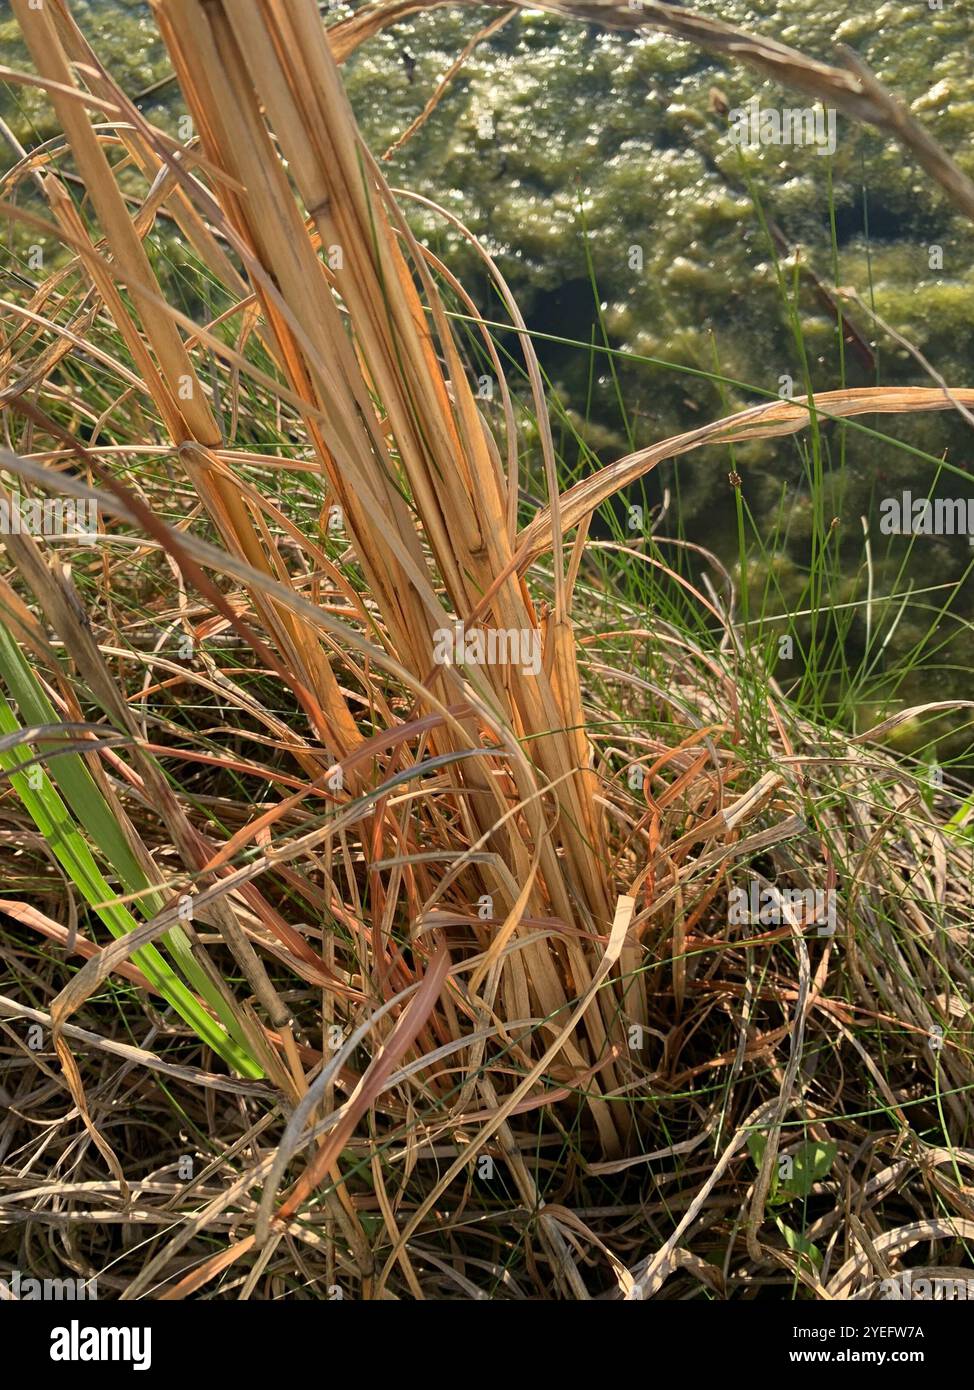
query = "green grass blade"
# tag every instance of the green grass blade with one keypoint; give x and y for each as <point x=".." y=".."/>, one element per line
<point x="53" y="819"/>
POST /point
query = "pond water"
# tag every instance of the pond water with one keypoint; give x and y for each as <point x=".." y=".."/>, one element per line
<point x="595" y="168"/>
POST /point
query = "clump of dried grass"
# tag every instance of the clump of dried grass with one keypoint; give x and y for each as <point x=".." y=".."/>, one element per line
<point x="456" y="934"/>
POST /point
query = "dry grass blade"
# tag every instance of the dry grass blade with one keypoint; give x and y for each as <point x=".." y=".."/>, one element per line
<point x="768" y="421"/>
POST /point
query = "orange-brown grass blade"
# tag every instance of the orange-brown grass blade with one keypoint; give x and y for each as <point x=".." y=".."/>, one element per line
<point x="758" y="422"/>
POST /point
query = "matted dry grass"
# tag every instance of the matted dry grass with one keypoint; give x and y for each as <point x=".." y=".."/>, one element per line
<point x="501" y="1037"/>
